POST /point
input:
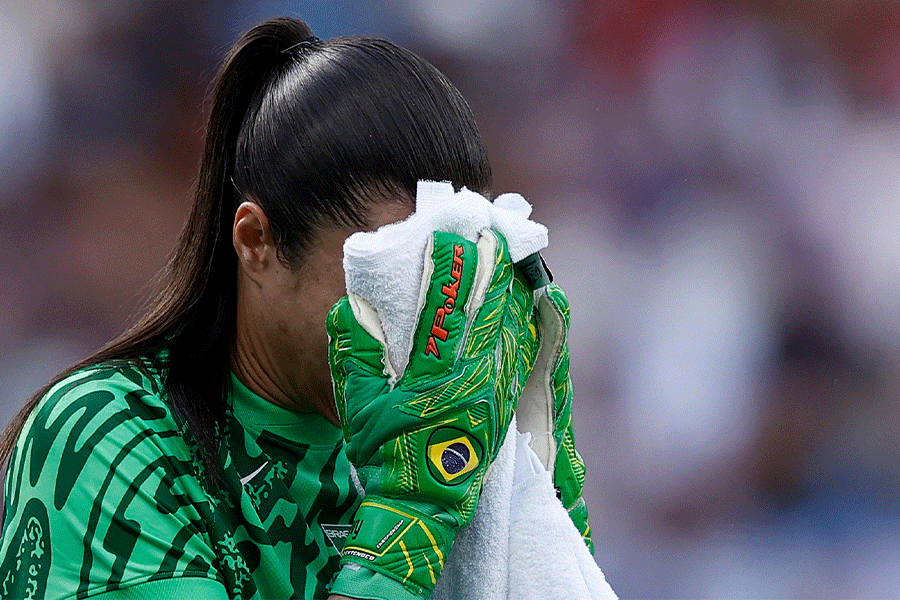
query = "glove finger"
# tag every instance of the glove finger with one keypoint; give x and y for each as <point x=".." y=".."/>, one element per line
<point x="557" y="318"/>
<point x="338" y="324"/>
<point x="489" y="307"/>
<point x="354" y="330"/>
<point x="352" y="348"/>
<point x="516" y="350"/>
<point x="560" y="301"/>
<point x="529" y="341"/>
<point x="568" y="473"/>
<point x="523" y="310"/>
<point x="450" y="267"/>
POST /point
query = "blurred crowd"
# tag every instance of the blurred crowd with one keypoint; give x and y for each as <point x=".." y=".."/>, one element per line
<point x="721" y="181"/>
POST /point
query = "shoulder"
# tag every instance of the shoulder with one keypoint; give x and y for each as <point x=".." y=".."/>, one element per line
<point x="92" y="411"/>
<point x="110" y="387"/>
<point x="101" y="420"/>
<point x="100" y="468"/>
<point x="98" y="417"/>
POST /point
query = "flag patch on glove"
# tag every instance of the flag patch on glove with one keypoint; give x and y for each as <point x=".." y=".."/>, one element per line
<point x="452" y="454"/>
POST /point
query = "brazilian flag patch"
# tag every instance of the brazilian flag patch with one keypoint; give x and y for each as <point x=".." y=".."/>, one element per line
<point x="452" y="455"/>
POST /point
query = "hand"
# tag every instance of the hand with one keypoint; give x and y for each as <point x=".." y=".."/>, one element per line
<point x="568" y="472"/>
<point x="422" y="440"/>
<point x="545" y="408"/>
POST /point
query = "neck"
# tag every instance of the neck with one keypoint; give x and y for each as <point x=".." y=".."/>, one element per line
<point x="254" y="367"/>
<point x="282" y="380"/>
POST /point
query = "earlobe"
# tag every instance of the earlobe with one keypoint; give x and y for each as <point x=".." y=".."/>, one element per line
<point x="252" y="238"/>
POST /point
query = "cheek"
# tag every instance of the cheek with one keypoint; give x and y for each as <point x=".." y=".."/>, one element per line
<point x="331" y="288"/>
<point x="327" y="293"/>
<point x="338" y="290"/>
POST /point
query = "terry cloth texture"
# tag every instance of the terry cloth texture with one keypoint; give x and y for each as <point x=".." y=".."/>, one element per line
<point x="385" y="267"/>
<point x="521" y="543"/>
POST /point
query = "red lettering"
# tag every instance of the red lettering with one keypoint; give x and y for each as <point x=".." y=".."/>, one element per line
<point x="437" y="329"/>
<point x="456" y="267"/>
<point x="450" y="291"/>
<point x="431" y="348"/>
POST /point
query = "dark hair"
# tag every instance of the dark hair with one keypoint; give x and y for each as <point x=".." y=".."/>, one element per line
<point x="313" y="131"/>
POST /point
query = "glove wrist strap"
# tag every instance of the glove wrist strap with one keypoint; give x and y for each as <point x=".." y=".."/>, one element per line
<point x="403" y="544"/>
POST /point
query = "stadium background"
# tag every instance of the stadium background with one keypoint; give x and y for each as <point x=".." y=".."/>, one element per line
<point x="722" y="186"/>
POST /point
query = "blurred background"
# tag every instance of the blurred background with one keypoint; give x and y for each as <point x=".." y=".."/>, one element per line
<point x="721" y="181"/>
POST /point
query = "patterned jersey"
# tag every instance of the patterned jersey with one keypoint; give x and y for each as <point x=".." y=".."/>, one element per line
<point x="105" y="493"/>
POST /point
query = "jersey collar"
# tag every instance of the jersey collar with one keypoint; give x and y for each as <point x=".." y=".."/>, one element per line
<point x="257" y="414"/>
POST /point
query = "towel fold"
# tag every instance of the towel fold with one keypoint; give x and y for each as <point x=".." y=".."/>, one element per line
<point x="385" y="266"/>
<point x="547" y="557"/>
<point x="477" y="566"/>
<point x="520" y="543"/>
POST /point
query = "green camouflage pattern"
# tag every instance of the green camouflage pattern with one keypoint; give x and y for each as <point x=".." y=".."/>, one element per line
<point x="422" y="444"/>
<point x="104" y="492"/>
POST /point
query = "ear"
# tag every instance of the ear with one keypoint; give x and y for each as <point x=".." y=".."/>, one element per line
<point x="252" y="239"/>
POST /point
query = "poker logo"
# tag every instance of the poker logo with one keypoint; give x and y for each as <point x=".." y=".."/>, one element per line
<point x="452" y="455"/>
<point x="450" y="291"/>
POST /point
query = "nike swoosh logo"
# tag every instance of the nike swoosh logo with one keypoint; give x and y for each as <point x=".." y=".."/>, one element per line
<point x="245" y="480"/>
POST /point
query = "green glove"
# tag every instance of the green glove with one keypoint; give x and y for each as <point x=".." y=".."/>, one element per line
<point x="568" y="473"/>
<point x="545" y="408"/>
<point x="422" y="440"/>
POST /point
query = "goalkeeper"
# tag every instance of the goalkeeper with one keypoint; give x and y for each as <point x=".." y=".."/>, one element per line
<point x="204" y="453"/>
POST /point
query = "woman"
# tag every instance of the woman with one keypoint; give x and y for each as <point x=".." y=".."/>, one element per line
<point x="200" y="453"/>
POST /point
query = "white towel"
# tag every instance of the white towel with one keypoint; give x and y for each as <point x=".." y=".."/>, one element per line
<point x="385" y="266"/>
<point x="520" y="543"/>
<point x="477" y="566"/>
<point x="547" y="557"/>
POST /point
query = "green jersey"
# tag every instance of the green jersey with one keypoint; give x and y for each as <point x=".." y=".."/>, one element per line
<point x="106" y="497"/>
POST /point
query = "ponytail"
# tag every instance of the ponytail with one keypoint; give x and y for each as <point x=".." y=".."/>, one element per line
<point x="314" y="131"/>
<point x="204" y="281"/>
<point x="193" y="316"/>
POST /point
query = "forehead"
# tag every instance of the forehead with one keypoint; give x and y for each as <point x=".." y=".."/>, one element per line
<point x="384" y="213"/>
<point x="328" y="242"/>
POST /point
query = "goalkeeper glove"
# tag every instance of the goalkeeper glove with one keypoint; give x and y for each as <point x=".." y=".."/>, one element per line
<point x="421" y="441"/>
<point x="545" y="408"/>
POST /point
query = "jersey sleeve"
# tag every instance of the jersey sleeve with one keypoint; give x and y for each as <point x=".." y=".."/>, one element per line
<point x="102" y="498"/>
